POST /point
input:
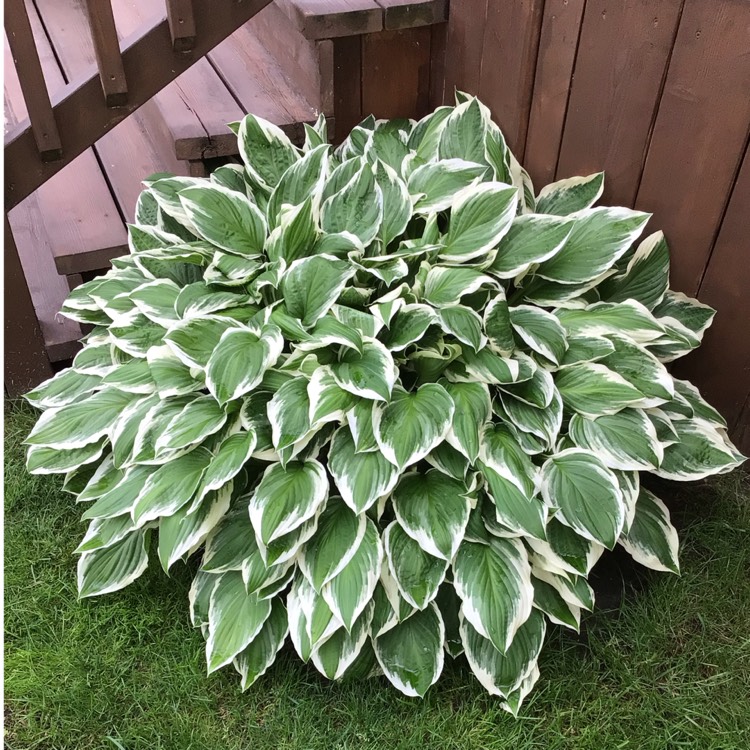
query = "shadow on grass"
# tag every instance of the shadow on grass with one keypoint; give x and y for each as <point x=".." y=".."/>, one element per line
<point x="669" y="668"/>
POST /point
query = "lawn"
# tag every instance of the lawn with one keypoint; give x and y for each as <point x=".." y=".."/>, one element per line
<point x="670" y="668"/>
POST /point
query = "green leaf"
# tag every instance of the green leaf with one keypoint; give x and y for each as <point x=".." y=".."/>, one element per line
<point x="266" y="150"/>
<point x="494" y="583"/>
<point x="652" y="540"/>
<point x="599" y="238"/>
<point x="240" y="360"/>
<point x="312" y="285"/>
<point x="225" y="218"/>
<point x="626" y="440"/>
<point x="587" y="494"/>
<point x="171" y="486"/>
<point x="540" y="330"/>
<point x="66" y="387"/>
<point x="568" y="196"/>
<point x="361" y="478"/>
<point x="42" y="459"/>
<point x="229" y="458"/>
<point x="646" y="277"/>
<point x="531" y="238"/>
<point x="235" y="618"/>
<point x="397" y="207"/>
<point x="593" y="389"/>
<point x="418" y="574"/>
<point x="463" y="133"/>
<point x="338" y="537"/>
<point x="629" y="318"/>
<point x="701" y="450"/>
<point x="480" y="216"/>
<point x="370" y="375"/>
<point x="198" y="420"/>
<point x="112" y="568"/>
<point x="408" y="325"/>
<point x="503" y="673"/>
<point x="412" y="424"/>
<point x="350" y="590"/>
<point x="473" y="408"/>
<point x="78" y="424"/>
<point x="463" y="323"/>
<point x="286" y="497"/>
<point x="433" y="185"/>
<point x="289" y="413"/>
<point x="433" y="510"/>
<point x="255" y="659"/>
<point x="356" y="208"/>
<point x="411" y="653"/>
<point x="446" y="285"/>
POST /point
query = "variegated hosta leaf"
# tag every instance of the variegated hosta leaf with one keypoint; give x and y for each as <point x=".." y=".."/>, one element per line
<point x="652" y="540"/>
<point x="397" y="399"/>
<point x="411" y="653"/>
<point x="586" y="494"/>
<point x="494" y="583"/>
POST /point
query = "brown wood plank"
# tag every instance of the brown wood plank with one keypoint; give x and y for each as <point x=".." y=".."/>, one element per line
<point x="396" y="73"/>
<point x="31" y="78"/>
<point x="347" y="84"/>
<point x="699" y="133"/>
<point x="136" y="147"/>
<point x="326" y="19"/>
<point x="622" y="56"/>
<point x="81" y="217"/>
<point x="407" y="14"/>
<point x="511" y="40"/>
<point x="721" y="367"/>
<point x="26" y="361"/>
<point x="740" y="431"/>
<point x="181" y="24"/>
<point x="463" y="48"/>
<point x="561" y="24"/>
<point x="261" y="84"/>
<point x="196" y="106"/>
<point x="150" y="64"/>
<point x="438" y="36"/>
<point x="107" y="49"/>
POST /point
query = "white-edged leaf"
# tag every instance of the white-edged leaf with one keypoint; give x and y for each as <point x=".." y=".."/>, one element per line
<point x="412" y="424"/>
<point x="586" y="493"/>
<point x="286" y="497"/>
<point x="112" y="568"/>
<point x="494" y="583"/>
<point x="433" y="509"/>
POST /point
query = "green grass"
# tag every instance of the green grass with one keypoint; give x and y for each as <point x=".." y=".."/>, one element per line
<point x="670" y="669"/>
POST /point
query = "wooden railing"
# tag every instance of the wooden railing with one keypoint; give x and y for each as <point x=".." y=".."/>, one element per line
<point x="61" y="127"/>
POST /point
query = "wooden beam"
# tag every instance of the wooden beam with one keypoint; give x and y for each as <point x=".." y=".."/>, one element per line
<point x="181" y="24"/>
<point x="107" y="49"/>
<point x="149" y="63"/>
<point x="26" y="60"/>
<point x="26" y="362"/>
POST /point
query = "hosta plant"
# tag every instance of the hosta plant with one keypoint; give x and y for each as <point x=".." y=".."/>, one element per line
<point x="394" y="402"/>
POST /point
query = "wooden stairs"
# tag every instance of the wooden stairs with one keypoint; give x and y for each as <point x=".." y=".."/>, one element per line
<point x="292" y="61"/>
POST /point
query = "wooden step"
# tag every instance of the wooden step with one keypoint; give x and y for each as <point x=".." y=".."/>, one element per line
<point x="328" y="19"/>
<point x="139" y="146"/>
<point x="74" y="209"/>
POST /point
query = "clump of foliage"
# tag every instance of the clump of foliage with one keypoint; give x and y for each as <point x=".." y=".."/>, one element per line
<point x="397" y="402"/>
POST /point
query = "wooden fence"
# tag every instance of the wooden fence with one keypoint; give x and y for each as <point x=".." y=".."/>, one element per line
<point x="656" y="93"/>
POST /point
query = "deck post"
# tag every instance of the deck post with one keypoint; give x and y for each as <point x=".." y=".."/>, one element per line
<point x="26" y="361"/>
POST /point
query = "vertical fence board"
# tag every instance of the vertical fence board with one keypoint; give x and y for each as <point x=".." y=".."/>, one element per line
<point x="558" y="42"/>
<point x="347" y="83"/>
<point x="622" y="56"/>
<point x="396" y="73"/>
<point x="721" y="367"/>
<point x="506" y="80"/>
<point x="463" y="47"/>
<point x="699" y="133"/>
